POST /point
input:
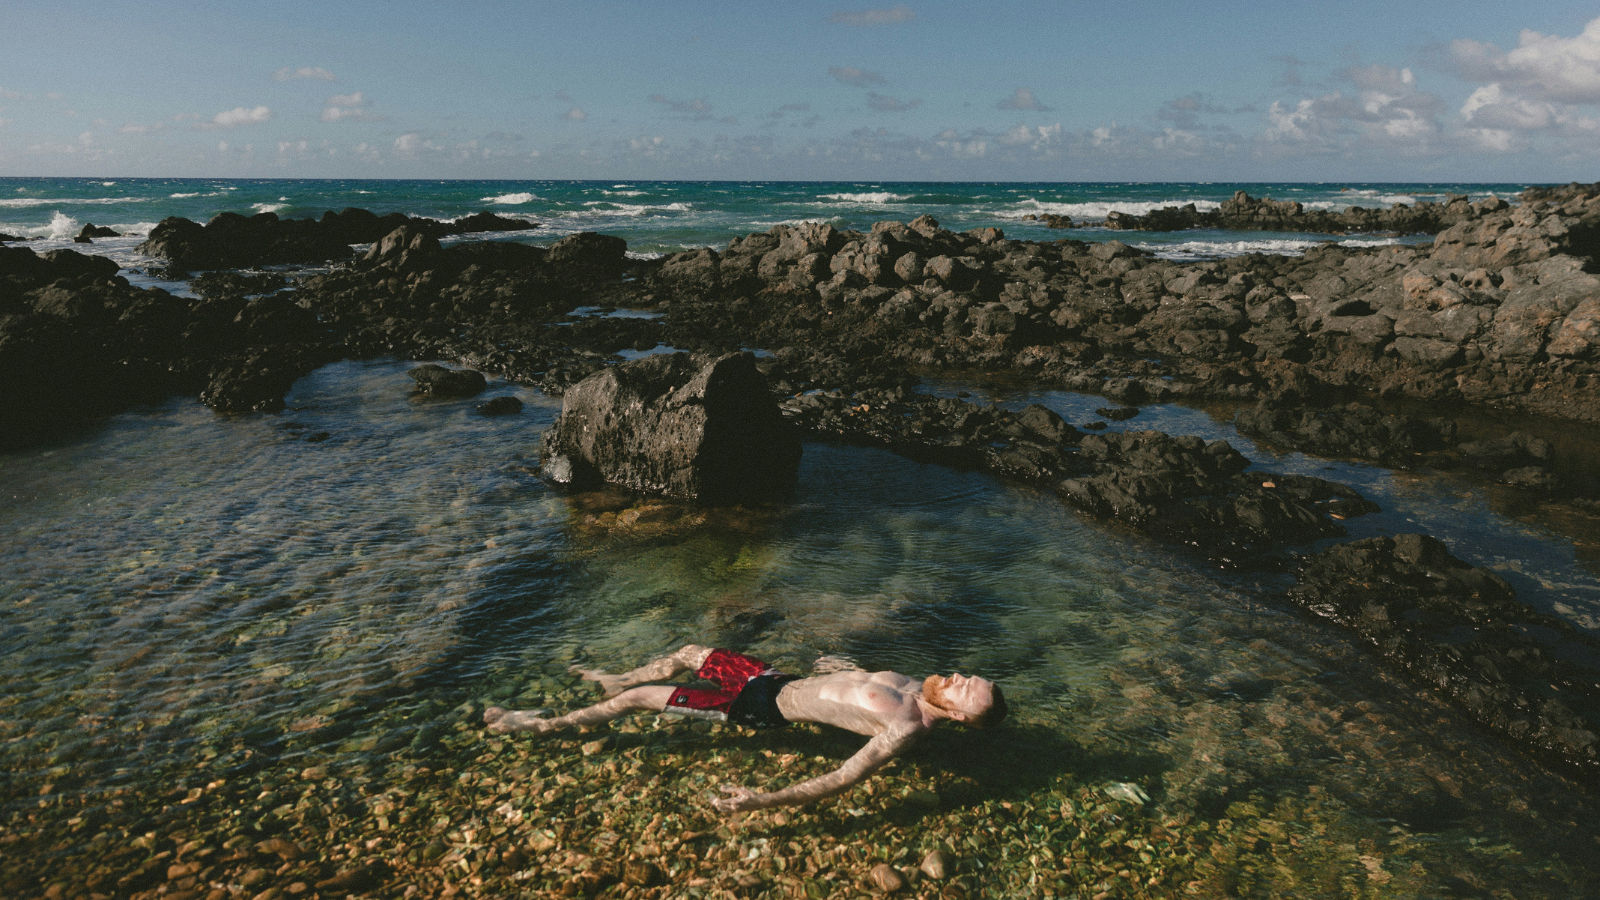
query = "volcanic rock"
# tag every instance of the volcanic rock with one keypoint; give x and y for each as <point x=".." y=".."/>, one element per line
<point x="674" y="425"/>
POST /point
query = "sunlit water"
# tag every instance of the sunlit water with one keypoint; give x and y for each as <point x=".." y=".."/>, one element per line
<point x="190" y="599"/>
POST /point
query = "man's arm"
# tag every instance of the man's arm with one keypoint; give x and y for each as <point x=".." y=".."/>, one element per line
<point x="870" y="758"/>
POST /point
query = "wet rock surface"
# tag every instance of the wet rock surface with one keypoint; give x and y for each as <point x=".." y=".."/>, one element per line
<point x="1459" y="629"/>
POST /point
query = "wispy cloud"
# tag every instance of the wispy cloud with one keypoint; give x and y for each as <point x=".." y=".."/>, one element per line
<point x="695" y="110"/>
<point x="1022" y="98"/>
<point x="868" y="18"/>
<point x="348" y="107"/>
<point x="314" y="73"/>
<point x="855" y="77"/>
<point x="883" y="103"/>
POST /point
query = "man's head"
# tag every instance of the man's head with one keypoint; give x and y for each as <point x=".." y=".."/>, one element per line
<point x="965" y="698"/>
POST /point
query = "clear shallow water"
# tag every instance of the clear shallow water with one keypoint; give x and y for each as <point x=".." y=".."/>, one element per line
<point x="201" y="612"/>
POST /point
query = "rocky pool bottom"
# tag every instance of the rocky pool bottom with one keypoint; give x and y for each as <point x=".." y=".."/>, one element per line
<point x="247" y="657"/>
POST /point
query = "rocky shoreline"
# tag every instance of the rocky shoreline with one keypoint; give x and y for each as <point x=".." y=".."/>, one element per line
<point x="1501" y="312"/>
<point x="1242" y="212"/>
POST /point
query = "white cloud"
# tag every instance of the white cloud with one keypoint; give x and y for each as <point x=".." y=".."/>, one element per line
<point x="865" y="18"/>
<point x="1386" y="108"/>
<point x="1495" y="140"/>
<point x="575" y="114"/>
<point x="1543" y="66"/>
<point x="347" y="107"/>
<point x="1022" y="98"/>
<point x="1491" y="106"/>
<point x="314" y="73"/>
<point x="241" y="115"/>
<point x="1036" y="137"/>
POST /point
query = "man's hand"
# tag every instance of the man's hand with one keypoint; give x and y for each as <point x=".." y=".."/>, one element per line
<point x="739" y="799"/>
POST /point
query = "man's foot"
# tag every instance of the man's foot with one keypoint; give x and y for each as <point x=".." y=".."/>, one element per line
<point x="610" y="685"/>
<point x="504" y="721"/>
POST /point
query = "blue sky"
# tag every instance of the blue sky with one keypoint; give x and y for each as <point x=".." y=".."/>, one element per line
<point x="1039" y="91"/>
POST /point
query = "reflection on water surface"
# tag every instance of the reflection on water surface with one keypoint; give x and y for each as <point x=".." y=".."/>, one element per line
<point x="224" y="631"/>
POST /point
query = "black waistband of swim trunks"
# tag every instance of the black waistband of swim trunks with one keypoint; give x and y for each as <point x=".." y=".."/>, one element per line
<point x="757" y="703"/>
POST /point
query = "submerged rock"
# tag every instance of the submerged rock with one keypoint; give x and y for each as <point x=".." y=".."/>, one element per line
<point x="677" y="426"/>
<point x="437" y="381"/>
<point x="1460" y="630"/>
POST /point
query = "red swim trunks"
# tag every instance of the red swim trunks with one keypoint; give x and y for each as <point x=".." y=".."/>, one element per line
<point x="733" y="673"/>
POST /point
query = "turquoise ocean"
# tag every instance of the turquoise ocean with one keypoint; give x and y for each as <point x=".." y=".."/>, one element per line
<point x="195" y="611"/>
<point x="664" y="217"/>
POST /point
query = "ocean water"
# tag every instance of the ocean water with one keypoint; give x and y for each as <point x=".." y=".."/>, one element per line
<point x="219" y="630"/>
<point x="664" y="217"/>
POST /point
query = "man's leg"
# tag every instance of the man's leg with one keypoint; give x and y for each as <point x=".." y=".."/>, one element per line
<point x="652" y="698"/>
<point x="688" y="658"/>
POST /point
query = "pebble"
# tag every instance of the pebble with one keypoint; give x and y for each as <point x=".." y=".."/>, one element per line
<point x="935" y="865"/>
<point x="886" y="878"/>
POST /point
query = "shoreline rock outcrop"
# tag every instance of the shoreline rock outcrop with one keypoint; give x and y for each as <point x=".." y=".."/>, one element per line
<point x="704" y="430"/>
<point x="231" y="240"/>
<point x="1242" y="212"/>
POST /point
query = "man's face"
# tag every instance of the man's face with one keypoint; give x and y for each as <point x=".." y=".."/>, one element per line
<point x="965" y="695"/>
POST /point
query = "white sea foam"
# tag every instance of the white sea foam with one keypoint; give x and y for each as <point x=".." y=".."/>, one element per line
<point x="32" y="202"/>
<point x="515" y="199"/>
<point x="62" y="227"/>
<point x="630" y="210"/>
<point x="876" y="197"/>
<point x="623" y="193"/>
<point x="1190" y="250"/>
<point x="271" y="207"/>
<point x="1365" y="198"/>
<point x="1097" y="210"/>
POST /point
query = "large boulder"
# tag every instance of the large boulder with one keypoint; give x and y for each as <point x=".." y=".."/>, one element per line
<point x="678" y="426"/>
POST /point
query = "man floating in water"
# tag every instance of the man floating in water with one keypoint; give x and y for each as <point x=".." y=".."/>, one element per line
<point x="891" y="709"/>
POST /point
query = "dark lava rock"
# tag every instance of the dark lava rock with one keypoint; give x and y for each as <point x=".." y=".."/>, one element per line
<point x="488" y="221"/>
<point x="500" y="406"/>
<point x="439" y="382"/>
<point x="1459" y="629"/>
<point x="1243" y="212"/>
<point x="255" y="383"/>
<point x="92" y="231"/>
<point x="677" y="426"/>
<point x="1195" y="493"/>
<point x="587" y="251"/>
<point x="231" y="240"/>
